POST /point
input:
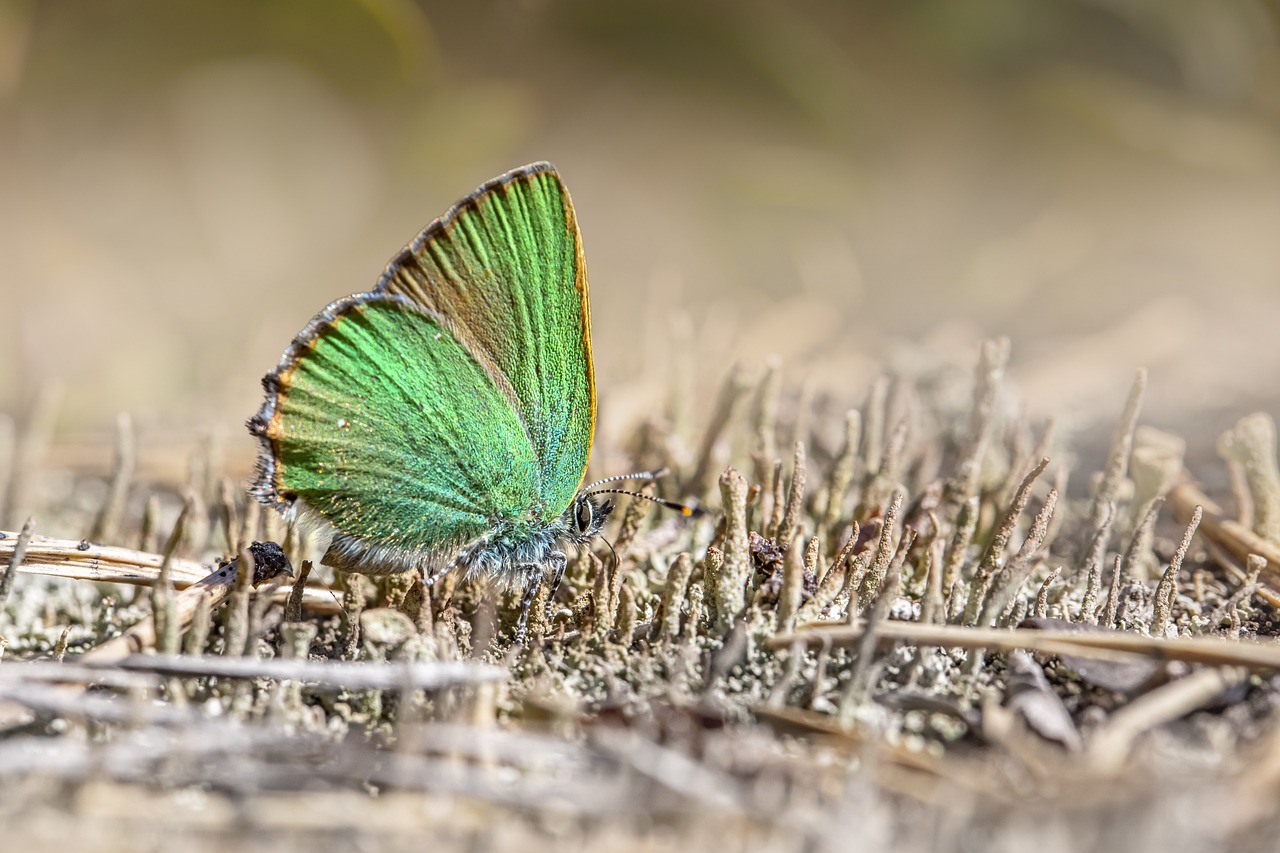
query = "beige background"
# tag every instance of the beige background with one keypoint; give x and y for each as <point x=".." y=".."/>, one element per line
<point x="855" y="187"/>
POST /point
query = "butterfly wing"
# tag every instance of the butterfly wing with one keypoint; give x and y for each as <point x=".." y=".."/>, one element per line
<point x="381" y="421"/>
<point x="505" y="268"/>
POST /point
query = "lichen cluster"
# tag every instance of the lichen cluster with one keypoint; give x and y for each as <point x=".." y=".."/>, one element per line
<point x="896" y="624"/>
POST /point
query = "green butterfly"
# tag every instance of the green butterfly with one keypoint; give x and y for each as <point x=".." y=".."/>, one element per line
<point x="444" y="419"/>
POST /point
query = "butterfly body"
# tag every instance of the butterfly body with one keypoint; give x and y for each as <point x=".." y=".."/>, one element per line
<point x="444" y="419"/>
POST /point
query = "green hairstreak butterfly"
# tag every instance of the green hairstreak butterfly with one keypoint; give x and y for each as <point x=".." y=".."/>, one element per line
<point x="444" y="418"/>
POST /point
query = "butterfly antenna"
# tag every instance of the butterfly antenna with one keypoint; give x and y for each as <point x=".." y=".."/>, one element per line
<point x="686" y="510"/>
<point x="642" y="475"/>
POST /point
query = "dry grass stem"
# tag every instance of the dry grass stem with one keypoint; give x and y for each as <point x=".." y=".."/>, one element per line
<point x="731" y="583"/>
<point x="966" y="525"/>
<point x="764" y="417"/>
<point x="793" y="571"/>
<point x="874" y="426"/>
<point x="777" y="505"/>
<point x="1168" y="587"/>
<point x="1093" y="567"/>
<point x="673" y="595"/>
<point x="1042" y="597"/>
<point x="1138" y="556"/>
<point x="870" y="584"/>
<point x="842" y="474"/>
<point x="162" y="589"/>
<point x="227" y="515"/>
<point x="297" y="595"/>
<point x="1118" y="457"/>
<point x="736" y="385"/>
<point x="1101" y="645"/>
<point x="988" y="378"/>
<point x="789" y="527"/>
<point x="994" y="553"/>
<point x="17" y="554"/>
<point x="932" y="604"/>
<point x="1108" y="619"/>
<point x="859" y="679"/>
<point x="106" y="525"/>
<point x="627" y="618"/>
<point x="1008" y="581"/>
<point x="834" y="581"/>
<point x="148" y="531"/>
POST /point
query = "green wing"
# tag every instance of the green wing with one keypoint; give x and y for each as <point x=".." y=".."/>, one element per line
<point x="383" y="423"/>
<point x="504" y="269"/>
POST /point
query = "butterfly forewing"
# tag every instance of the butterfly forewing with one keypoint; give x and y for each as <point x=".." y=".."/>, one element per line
<point x="505" y="270"/>
<point x="389" y="429"/>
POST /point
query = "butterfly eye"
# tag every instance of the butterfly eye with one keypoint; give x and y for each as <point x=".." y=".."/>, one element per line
<point x="583" y="515"/>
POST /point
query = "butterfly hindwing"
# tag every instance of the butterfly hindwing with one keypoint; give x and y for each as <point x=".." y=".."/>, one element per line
<point x="505" y="268"/>
<point x="383" y="423"/>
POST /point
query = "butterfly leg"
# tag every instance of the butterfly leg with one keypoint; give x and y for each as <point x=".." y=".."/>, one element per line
<point x="429" y="580"/>
<point x="555" y="575"/>
<point x="536" y="576"/>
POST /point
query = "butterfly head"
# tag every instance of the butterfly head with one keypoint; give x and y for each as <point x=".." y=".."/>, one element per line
<point x="590" y="512"/>
<point x="587" y="515"/>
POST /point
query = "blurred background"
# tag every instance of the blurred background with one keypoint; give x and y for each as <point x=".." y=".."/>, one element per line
<point x="851" y="186"/>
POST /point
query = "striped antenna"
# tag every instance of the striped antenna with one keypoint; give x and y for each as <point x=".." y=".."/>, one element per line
<point x="684" y="509"/>
<point x="643" y="475"/>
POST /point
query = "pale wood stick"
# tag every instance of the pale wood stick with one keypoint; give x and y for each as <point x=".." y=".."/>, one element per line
<point x="1100" y="644"/>
<point x="79" y="560"/>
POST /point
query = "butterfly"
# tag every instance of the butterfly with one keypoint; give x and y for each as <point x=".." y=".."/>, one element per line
<point x="444" y="419"/>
